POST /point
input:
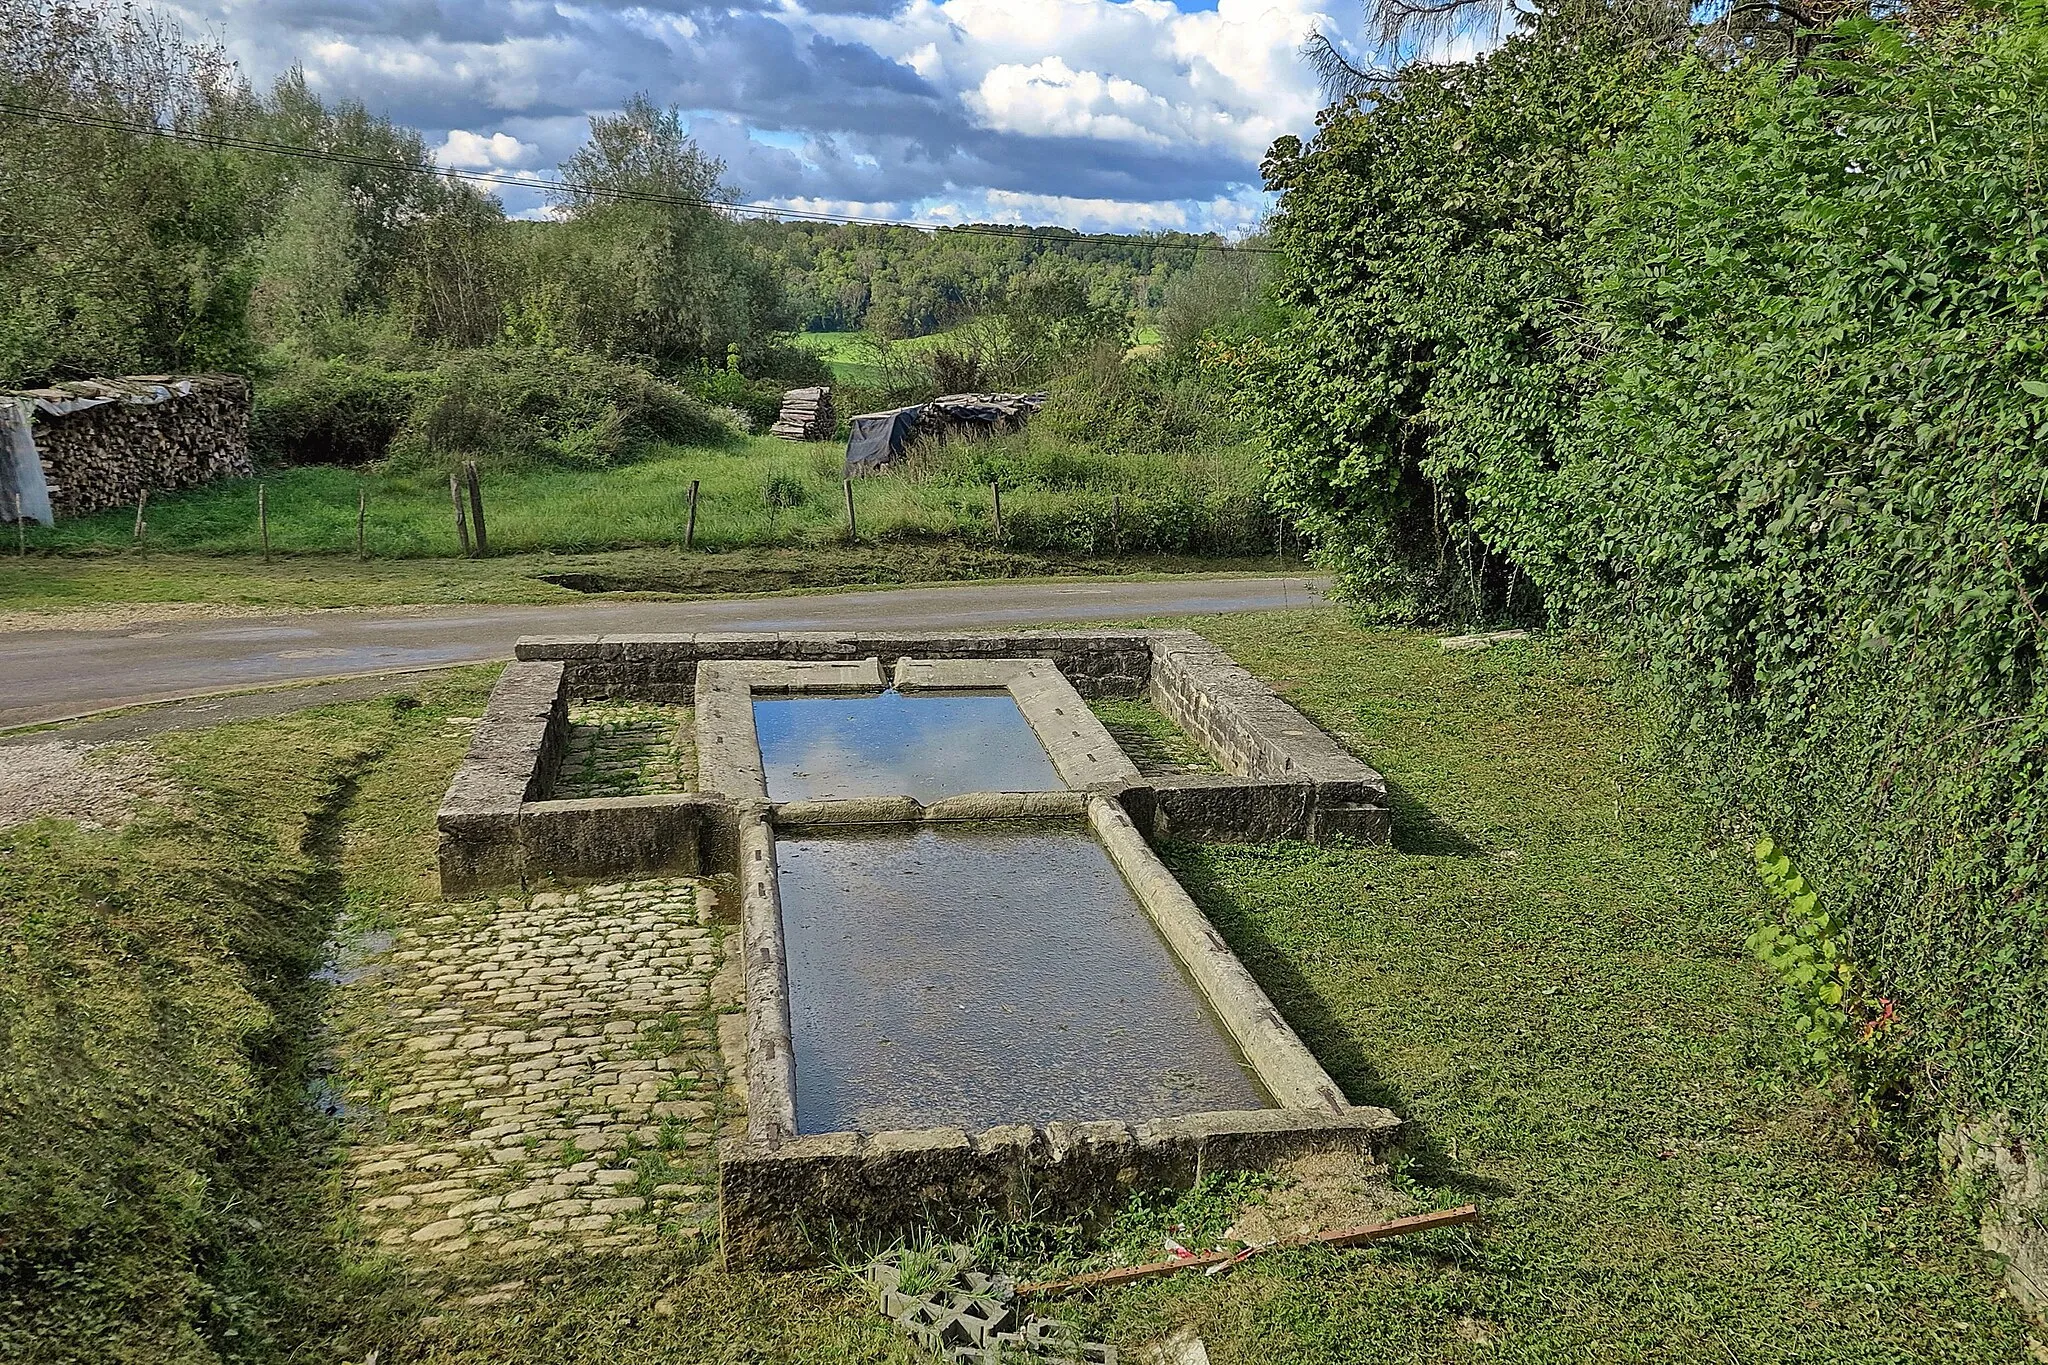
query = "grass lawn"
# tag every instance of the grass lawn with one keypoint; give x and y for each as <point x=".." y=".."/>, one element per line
<point x="43" y="584"/>
<point x="760" y="492"/>
<point x="1544" y="974"/>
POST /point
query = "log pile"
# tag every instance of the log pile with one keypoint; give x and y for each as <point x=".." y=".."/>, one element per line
<point x="101" y="442"/>
<point x="806" y="416"/>
<point x="979" y="414"/>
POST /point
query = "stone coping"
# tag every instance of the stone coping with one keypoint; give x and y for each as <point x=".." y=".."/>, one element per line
<point x="793" y="1204"/>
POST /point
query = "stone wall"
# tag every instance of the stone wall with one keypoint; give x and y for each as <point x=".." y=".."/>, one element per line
<point x="101" y="443"/>
<point x="1288" y="778"/>
<point x="664" y="667"/>
<point x="779" y="1205"/>
<point x="2012" y="1177"/>
<point x="1284" y="777"/>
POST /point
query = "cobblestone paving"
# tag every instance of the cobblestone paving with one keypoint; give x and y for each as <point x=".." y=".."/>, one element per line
<point x="541" y="1075"/>
<point x="627" y="748"/>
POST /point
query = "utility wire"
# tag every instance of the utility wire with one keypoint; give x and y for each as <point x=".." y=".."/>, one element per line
<point x="246" y="144"/>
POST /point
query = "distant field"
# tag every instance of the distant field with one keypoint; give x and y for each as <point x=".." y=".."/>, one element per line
<point x="852" y="355"/>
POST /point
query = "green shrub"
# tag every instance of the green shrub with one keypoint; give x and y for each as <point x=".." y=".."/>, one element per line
<point x="549" y="406"/>
<point x="759" y="399"/>
<point x="332" y="411"/>
<point x="1137" y="405"/>
<point x="1748" y="370"/>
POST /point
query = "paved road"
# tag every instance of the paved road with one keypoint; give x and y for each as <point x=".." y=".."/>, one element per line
<point x="57" y="674"/>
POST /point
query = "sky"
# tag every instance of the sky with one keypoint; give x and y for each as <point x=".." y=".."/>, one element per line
<point x="1101" y="115"/>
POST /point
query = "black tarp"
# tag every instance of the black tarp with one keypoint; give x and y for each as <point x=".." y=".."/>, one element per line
<point x="877" y="439"/>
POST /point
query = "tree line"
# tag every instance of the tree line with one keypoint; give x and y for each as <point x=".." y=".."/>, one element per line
<point x="387" y="309"/>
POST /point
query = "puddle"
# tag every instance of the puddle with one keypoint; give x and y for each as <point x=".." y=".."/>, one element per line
<point x="925" y="745"/>
<point x="351" y="957"/>
<point x="977" y="976"/>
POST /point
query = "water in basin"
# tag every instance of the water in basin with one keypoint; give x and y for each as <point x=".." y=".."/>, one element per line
<point x="972" y="976"/>
<point x="923" y="744"/>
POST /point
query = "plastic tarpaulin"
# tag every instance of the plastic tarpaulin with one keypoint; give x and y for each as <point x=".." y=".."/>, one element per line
<point x="876" y="440"/>
<point x="21" y="468"/>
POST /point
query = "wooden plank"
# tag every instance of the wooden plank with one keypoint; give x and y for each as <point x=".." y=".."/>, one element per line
<point x="1339" y="1237"/>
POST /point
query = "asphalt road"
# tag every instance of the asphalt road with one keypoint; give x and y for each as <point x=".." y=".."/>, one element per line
<point x="53" y="675"/>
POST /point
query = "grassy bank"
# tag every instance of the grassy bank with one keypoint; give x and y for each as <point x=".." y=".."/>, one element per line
<point x="161" y="1184"/>
<point x="1544" y="974"/>
<point x="757" y="493"/>
<point x="41" y="585"/>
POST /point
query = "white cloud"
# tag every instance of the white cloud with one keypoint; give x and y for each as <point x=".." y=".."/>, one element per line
<point x="471" y="151"/>
<point x="1102" y="113"/>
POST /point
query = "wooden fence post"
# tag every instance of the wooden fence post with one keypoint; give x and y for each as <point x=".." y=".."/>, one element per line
<point x="263" y="520"/>
<point x="852" y="530"/>
<point x="20" y="530"/>
<point x="996" y="489"/>
<point x="141" y="526"/>
<point x="476" y="509"/>
<point x="690" y="526"/>
<point x="461" y="522"/>
<point x="362" y="518"/>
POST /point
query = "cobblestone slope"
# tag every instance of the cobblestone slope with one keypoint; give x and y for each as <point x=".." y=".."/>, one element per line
<point x="540" y="1075"/>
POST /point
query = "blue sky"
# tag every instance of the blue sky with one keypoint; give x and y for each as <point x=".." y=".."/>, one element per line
<point x="1100" y="114"/>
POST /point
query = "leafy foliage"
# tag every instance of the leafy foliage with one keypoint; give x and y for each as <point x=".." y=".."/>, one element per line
<point x="1748" y="370"/>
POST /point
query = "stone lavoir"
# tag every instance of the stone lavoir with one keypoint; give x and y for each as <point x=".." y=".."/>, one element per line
<point x="965" y="983"/>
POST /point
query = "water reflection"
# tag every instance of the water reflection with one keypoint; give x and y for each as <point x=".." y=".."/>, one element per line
<point x="972" y="977"/>
<point x="922" y="744"/>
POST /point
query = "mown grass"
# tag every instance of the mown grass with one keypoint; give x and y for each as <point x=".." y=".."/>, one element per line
<point x="757" y="493"/>
<point x="1544" y="974"/>
<point x="40" y="585"/>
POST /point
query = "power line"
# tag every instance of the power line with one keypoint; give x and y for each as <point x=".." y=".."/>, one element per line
<point x="285" y="149"/>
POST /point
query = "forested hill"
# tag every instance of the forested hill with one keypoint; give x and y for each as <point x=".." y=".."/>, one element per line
<point x="901" y="282"/>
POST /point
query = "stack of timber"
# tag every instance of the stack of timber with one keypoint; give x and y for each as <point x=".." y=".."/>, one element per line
<point x="98" y="443"/>
<point x="877" y="440"/>
<point x="979" y="414"/>
<point x="806" y="416"/>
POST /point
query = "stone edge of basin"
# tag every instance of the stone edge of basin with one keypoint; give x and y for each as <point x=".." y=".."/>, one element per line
<point x="780" y="1205"/>
<point x="778" y="1187"/>
<point x="1284" y="778"/>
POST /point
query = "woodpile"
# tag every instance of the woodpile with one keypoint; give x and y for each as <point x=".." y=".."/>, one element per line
<point x="876" y="440"/>
<point x="806" y="416"/>
<point x="979" y="414"/>
<point x="101" y="442"/>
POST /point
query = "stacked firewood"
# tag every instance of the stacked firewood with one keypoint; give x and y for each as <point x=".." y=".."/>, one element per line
<point x="806" y="416"/>
<point x="979" y="414"/>
<point x="102" y="442"/>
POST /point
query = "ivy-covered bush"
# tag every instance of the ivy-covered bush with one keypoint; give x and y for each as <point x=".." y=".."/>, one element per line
<point x="1748" y="369"/>
<point x="1436" y="235"/>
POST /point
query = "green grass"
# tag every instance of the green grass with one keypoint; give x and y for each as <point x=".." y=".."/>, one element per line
<point x="45" y="584"/>
<point x="1543" y="974"/>
<point x="1152" y="741"/>
<point x="852" y="355"/>
<point x="757" y="493"/>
